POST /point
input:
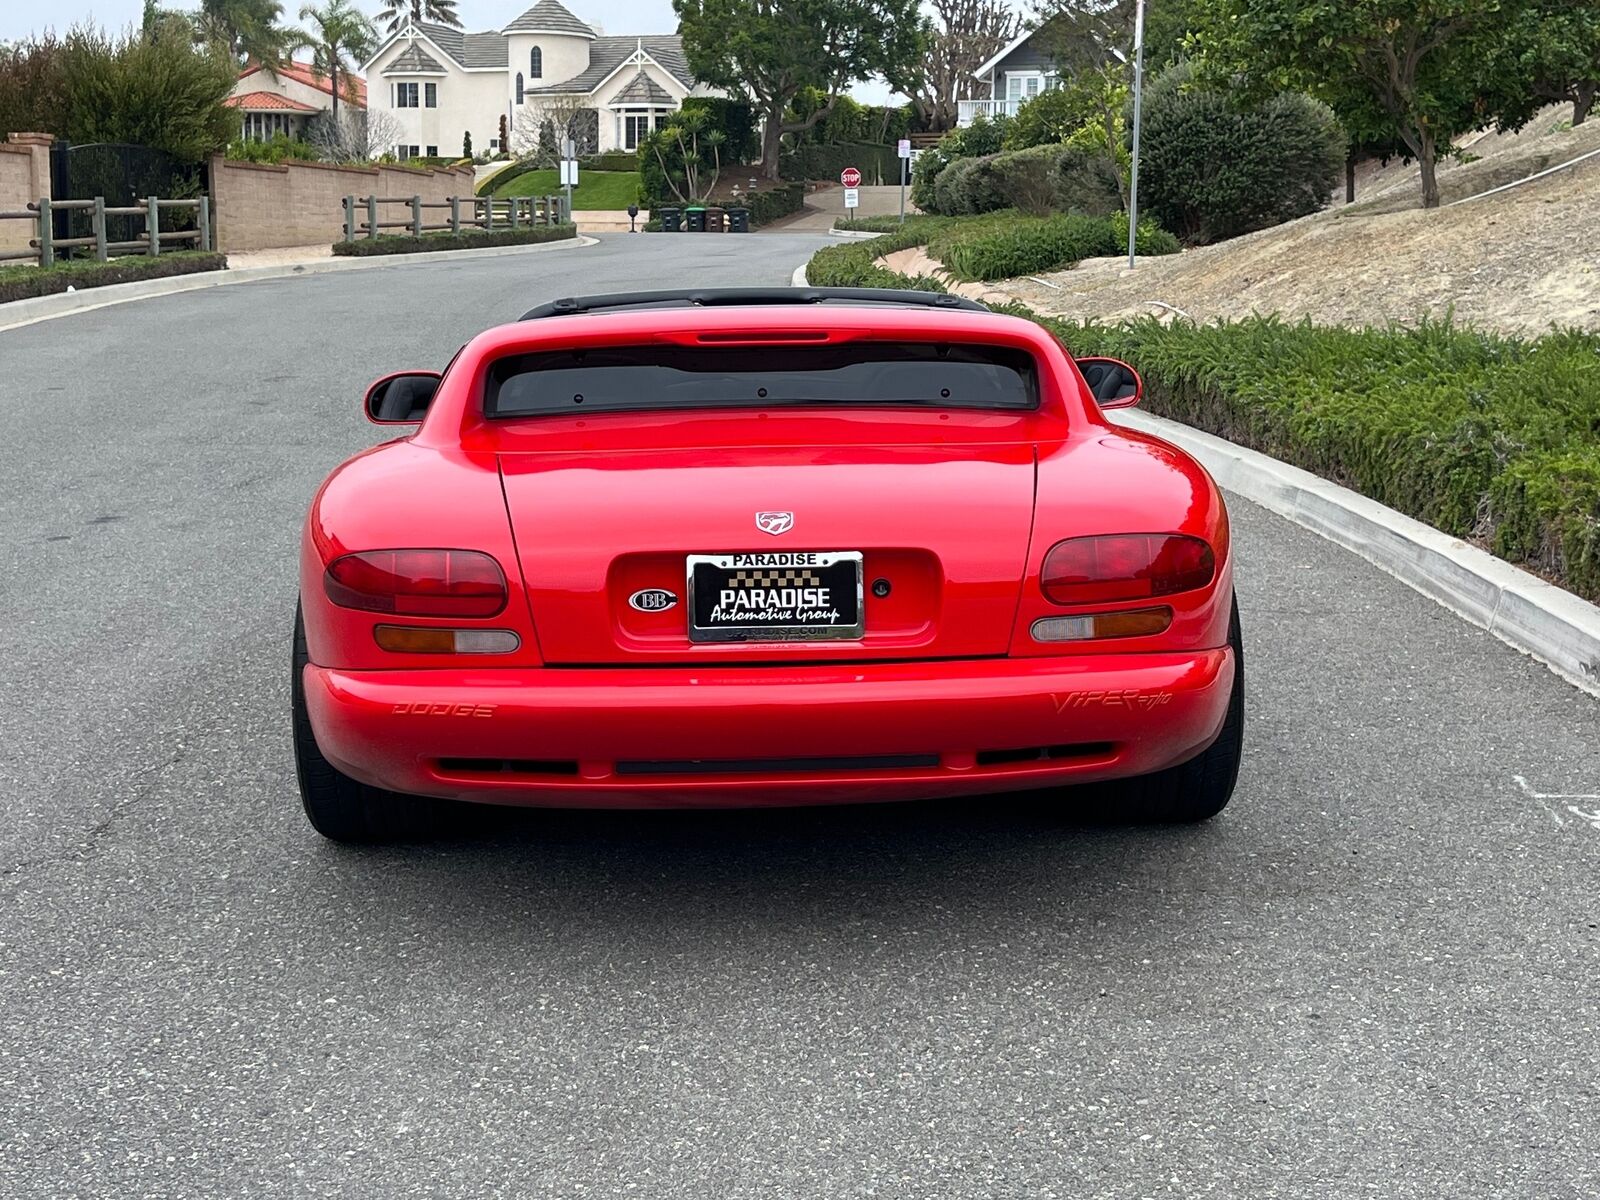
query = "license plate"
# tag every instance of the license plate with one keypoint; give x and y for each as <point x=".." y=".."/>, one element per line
<point x="775" y="596"/>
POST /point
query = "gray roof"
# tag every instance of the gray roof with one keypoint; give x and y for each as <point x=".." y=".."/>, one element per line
<point x="643" y="90"/>
<point x="468" y="49"/>
<point x="414" y="60"/>
<point x="608" y="53"/>
<point x="548" y="16"/>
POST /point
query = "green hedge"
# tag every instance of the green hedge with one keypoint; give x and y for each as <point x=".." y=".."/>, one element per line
<point x="877" y="164"/>
<point x="851" y="264"/>
<point x="737" y="120"/>
<point x="474" y="240"/>
<point x="614" y="160"/>
<point x="1030" y="245"/>
<point x="768" y="206"/>
<point x="25" y="283"/>
<point x="1487" y="438"/>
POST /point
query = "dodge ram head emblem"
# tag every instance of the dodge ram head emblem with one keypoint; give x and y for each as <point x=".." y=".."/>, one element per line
<point x="774" y="522"/>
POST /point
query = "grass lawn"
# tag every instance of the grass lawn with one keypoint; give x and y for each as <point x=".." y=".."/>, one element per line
<point x="595" y="190"/>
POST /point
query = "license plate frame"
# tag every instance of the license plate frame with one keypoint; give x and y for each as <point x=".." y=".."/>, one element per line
<point x="777" y="564"/>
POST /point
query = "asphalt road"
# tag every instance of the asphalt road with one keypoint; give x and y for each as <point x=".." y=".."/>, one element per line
<point x="1374" y="975"/>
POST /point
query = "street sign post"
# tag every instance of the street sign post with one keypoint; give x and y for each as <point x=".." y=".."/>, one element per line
<point x="850" y="177"/>
<point x="852" y="197"/>
<point x="569" y="169"/>
<point x="904" y="149"/>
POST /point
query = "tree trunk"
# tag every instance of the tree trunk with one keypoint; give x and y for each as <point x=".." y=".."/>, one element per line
<point x="1425" y="161"/>
<point x="333" y="83"/>
<point x="772" y="140"/>
<point x="1583" y="102"/>
<point x="1350" y="179"/>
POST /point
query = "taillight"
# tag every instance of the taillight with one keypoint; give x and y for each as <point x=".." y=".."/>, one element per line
<point x="418" y="583"/>
<point x="1125" y="566"/>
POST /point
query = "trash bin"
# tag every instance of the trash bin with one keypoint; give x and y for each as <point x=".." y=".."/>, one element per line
<point x="671" y="219"/>
<point x="738" y="220"/>
<point x="695" y="218"/>
<point x="716" y="220"/>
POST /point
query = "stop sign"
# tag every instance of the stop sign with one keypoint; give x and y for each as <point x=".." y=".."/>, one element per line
<point x="850" y="177"/>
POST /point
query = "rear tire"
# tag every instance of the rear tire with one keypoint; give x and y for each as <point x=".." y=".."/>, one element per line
<point x="340" y="808"/>
<point x="1200" y="788"/>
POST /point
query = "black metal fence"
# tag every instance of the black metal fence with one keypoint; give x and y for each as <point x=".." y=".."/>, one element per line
<point x="123" y="176"/>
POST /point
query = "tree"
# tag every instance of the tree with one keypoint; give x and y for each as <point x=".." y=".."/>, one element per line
<point x="1553" y="54"/>
<point x="466" y="144"/>
<point x="967" y="33"/>
<point x="440" y="12"/>
<point x="768" y="50"/>
<point x="1089" y="113"/>
<point x="341" y="38"/>
<point x="249" y="30"/>
<point x="544" y="121"/>
<point x="355" y="135"/>
<point x="682" y="148"/>
<point x="1412" y="69"/>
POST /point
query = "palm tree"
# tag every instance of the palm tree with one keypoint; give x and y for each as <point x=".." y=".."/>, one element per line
<point x="341" y="37"/>
<point x="248" y="29"/>
<point x="398" y="12"/>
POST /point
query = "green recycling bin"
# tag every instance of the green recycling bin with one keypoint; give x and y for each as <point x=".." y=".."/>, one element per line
<point x="695" y="217"/>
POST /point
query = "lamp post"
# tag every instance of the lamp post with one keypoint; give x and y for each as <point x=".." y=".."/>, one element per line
<point x="1138" y="100"/>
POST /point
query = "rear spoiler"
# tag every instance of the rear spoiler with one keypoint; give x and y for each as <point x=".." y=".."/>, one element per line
<point x="751" y="297"/>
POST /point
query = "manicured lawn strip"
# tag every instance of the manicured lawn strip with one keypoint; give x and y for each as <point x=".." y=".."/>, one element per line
<point x="596" y="190"/>
<point x="476" y="239"/>
<point x="25" y="283"/>
<point x="1491" y="439"/>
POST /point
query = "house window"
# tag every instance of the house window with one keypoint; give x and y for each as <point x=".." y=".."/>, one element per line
<point x="1022" y="85"/>
<point x="433" y="152"/>
<point x="430" y="94"/>
<point x="536" y="63"/>
<point x="636" y="126"/>
<point x="403" y="151"/>
<point x="263" y="127"/>
<point x="519" y="87"/>
<point x="405" y="95"/>
<point x="494" y="145"/>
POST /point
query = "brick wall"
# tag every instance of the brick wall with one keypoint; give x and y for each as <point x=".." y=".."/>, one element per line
<point x="260" y="206"/>
<point x="24" y="180"/>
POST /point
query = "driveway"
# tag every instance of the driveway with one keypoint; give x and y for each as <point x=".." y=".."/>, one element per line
<point x="1373" y="975"/>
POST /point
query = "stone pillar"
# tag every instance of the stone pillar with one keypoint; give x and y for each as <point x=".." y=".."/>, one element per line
<point x="39" y="165"/>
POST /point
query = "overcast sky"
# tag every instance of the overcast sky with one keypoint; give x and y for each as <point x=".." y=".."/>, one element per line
<point x="20" y="18"/>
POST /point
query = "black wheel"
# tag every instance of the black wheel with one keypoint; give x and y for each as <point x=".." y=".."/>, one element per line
<point x="1200" y="788"/>
<point x="341" y="808"/>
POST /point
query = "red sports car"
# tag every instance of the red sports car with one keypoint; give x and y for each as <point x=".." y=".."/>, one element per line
<point x="746" y="547"/>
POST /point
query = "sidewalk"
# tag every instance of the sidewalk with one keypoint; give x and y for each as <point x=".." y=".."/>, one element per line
<point x="825" y="207"/>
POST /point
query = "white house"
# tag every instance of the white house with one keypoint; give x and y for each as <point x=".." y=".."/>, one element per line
<point x="283" y="99"/>
<point x="545" y="66"/>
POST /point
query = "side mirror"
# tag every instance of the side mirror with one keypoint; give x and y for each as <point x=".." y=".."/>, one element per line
<point x="401" y="398"/>
<point x="1114" y="383"/>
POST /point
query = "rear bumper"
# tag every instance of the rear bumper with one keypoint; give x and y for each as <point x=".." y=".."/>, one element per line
<point x="729" y="737"/>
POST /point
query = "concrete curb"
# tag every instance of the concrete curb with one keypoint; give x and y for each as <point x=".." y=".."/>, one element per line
<point x="857" y="234"/>
<point x="1522" y="610"/>
<point x="45" y="308"/>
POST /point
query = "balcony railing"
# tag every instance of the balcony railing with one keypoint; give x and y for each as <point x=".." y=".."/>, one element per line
<point x="968" y="111"/>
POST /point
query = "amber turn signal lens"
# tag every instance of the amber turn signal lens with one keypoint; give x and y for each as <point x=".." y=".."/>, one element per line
<point x="407" y="639"/>
<point x="1140" y="622"/>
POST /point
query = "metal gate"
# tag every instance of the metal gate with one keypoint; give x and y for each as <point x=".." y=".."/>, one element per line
<point x="125" y="175"/>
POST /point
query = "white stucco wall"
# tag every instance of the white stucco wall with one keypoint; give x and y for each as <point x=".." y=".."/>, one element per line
<point x="468" y="100"/>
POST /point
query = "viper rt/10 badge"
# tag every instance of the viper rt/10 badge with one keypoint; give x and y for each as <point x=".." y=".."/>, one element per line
<point x="652" y="600"/>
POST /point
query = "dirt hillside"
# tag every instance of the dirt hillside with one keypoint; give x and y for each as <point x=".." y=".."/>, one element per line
<point x="1518" y="261"/>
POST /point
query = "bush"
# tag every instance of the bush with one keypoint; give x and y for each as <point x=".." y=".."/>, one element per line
<point x="853" y="264"/>
<point x="982" y="137"/>
<point x="967" y="186"/>
<point x="1046" y="179"/>
<point x="25" y="283"/>
<point x="1050" y="118"/>
<point x="614" y="160"/>
<point x="768" y="206"/>
<point x="1211" y="169"/>
<point x="1028" y="246"/>
<point x="476" y="239"/>
<point x="1484" y="437"/>
<point x="849" y="121"/>
<point x="279" y="149"/>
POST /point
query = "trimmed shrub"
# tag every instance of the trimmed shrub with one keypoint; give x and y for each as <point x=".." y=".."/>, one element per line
<point x="766" y="207"/>
<point x="966" y="187"/>
<point x="25" y="283"/>
<point x="613" y="160"/>
<point x="1027" y="246"/>
<point x="982" y="137"/>
<point x="853" y="264"/>
<point x="1484" y="437"/>
<point x="1211" y="169"/>
<point x="476" y="239"/>
<point x="1047" y="179"/>
<point x="1050" y="118"/>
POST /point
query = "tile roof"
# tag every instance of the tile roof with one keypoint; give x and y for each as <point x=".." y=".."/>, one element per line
<point x="414" y="60"/>
<point x="608" y="53"/>
<point x="469" y="49"/>
<point x="351" y="87"/>
<point x="548" y="16"/>
<point x="644" y="90"/>
<point x="267" y="102"/>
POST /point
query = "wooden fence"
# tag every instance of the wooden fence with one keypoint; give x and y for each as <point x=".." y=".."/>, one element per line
<point x="43" y="248"/>
<point x="362" y="214"/>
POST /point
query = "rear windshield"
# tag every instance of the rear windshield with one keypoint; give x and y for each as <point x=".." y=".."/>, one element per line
<point x="635" y="378"/>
